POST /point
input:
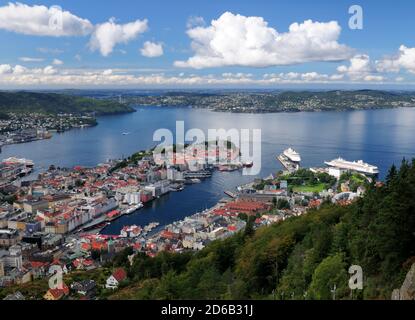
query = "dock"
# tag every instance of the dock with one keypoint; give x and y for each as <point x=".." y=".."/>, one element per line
<point x="230" y="194"/>
<point x="287" y="164"/>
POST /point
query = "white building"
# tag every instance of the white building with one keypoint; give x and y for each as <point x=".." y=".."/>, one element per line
<point x="132" y="198"/>
<point x="115" y="279"/>
<point x="14" y="258"/>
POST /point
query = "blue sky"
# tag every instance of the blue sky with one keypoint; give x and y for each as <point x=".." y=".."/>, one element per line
<point x="378" y="55"/>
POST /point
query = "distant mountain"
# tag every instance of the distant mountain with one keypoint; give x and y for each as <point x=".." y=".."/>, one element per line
<point x="54" y="103"/>
<point x="277" y="101"/>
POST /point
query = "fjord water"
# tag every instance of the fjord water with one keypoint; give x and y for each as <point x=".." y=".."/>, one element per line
<point x="379" y="137"/>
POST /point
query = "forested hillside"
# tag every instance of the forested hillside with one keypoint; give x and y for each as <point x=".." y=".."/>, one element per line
<point x="52" y="103"/>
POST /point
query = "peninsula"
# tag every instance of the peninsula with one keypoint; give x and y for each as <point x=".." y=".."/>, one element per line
<point x="278" y="101"/>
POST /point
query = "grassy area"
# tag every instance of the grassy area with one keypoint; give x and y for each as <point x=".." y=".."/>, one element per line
<point x="310" y="188"/>
<point x="32" y="290"/>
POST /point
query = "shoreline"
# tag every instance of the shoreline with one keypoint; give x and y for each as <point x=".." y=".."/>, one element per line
<point x="275" y="111"/>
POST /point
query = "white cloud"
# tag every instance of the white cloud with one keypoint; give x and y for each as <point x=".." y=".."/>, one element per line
<point x="360" y="68"/>
<point x="373" y="78"/>
<point x="107" y="35"/>
<point x="57" y="62"/>
<point x="49" y="70"/>
<point x="49" y="50"/>
<point x="5" y="68"/>
<point x="238" y="75"/>
<point x="152" y="49"/>
<point x="237" y="40"/>
<point x="40" y="20"/>
<point x="336" y="77"/>
<point x="28" y="59"/>
<point x="23" y="77"/>
<point x="18" y="69"/>
<point x="404" y="59"/>
<point x="314" y="76"/>
<point x="195" y="21"/>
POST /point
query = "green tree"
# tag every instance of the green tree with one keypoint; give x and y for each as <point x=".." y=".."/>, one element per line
<point x="331" y="273"/>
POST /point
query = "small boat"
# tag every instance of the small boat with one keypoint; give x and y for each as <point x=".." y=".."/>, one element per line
<point x="126" y="133"/>
<point x="248" y="164"/>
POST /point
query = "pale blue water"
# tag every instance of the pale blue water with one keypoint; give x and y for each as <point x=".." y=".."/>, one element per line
<point x="379" y="137"/>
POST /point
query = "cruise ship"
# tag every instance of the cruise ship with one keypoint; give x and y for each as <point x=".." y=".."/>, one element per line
<point x="292" y="155"/>
<point x="358" y="166"/>
<point x="290" y="159"/>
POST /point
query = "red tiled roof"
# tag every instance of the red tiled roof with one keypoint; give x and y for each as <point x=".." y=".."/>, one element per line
<point x="119" y="274"/>
<point x="86" y="246"/>
<point x="37" y="264"/>
<point x="59" y="293"/>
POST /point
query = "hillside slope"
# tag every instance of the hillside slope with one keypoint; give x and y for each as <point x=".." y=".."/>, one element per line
<point x="23" y="102"/>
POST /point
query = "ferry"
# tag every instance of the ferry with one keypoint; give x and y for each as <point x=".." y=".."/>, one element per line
<point x="176" y="187"/>
<point x="134" y="208"/>
<point x="358" y="166"/>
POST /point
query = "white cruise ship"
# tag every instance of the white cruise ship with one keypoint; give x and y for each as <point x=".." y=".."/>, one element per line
<point x="292" y="155"/>
<point x="358" y="166"/>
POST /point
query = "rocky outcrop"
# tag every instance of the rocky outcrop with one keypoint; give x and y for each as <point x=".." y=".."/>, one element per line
<point x="407" y="291"/>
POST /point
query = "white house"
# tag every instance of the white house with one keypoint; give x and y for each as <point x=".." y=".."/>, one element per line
<point x="116" y="278"/>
